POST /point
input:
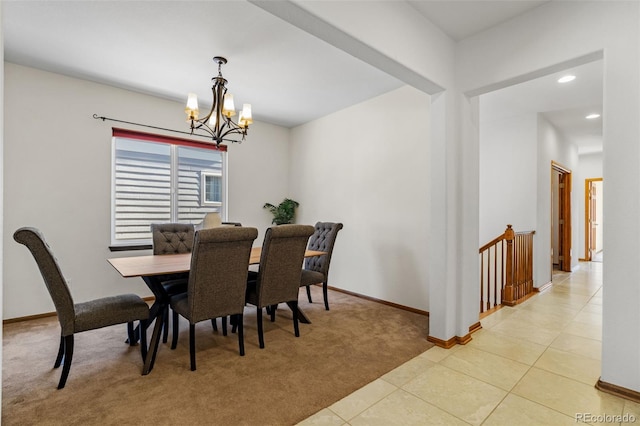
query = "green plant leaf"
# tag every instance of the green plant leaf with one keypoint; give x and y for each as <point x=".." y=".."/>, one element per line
<point x="284" y="212"/>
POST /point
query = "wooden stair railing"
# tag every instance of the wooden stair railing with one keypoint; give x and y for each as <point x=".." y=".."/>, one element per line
<point x="506" y="269"/>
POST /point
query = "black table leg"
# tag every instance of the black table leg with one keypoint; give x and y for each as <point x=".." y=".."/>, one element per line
<point x="160" y="297"/>
<point x="301" y="315"/>
<point x="158" y="312"/>
<point x="155" y="341"/>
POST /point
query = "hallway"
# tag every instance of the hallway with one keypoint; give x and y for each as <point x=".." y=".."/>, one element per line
<point x="533" y="364"/>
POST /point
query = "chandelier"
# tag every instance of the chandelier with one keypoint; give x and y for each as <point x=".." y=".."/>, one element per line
<point x="217" y="123"/>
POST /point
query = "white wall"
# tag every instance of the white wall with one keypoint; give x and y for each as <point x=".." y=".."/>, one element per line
<point x="57" y="165"/>
<point x="589" y="166"/>
<point x="508" y="171"/>
<point x="515" y="182"/>
<point x="552" y="146"/>
<point x="551" y="34"/>
<point x="406" y="45"/>
<point x="258" y="173"/>
<point x="367" y="167"/>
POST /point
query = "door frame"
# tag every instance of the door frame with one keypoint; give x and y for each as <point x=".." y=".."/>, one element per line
<point x="588" y="183"/>
<point x="564" y="194"/>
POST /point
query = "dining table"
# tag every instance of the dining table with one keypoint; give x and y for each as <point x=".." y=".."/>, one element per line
<point x="151" y="267"/>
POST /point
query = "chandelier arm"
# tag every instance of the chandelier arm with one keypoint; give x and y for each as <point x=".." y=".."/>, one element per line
<point x="203" y="125"/>
<point x="238" y="131"/>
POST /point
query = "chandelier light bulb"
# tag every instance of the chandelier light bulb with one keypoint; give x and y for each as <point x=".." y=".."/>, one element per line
<point x="228" y="107"/>
<point x="245" y="116"/>
<point x="192" y="107"/>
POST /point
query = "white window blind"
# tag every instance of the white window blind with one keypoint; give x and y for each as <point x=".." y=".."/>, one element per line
<point x="160" y="179"/>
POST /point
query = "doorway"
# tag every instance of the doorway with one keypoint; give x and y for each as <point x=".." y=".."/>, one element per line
<point x="560" y="218"/>
<point x="593" y="220"/>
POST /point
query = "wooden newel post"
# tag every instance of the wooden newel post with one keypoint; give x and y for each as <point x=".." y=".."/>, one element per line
<point x="508" y="292"/>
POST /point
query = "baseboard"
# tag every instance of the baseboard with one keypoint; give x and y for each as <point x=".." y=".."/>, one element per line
<point x="339" y="290"/>
<point x="490" y="311"/>
<point x="456" y="340"/>
<point x="543" y="287"/>
<point x="448" y="344"/>
<point x="29" y="318"/>
<point x="51" y="314"/>
<point x="618" y="391"/>
<point x="475" y="327"/>
<point x="384" y="302"/>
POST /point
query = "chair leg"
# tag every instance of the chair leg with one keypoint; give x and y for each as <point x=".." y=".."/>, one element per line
<point x="295" y="318"/>
<point x="130" y="334"/>
<point x="192" y="346"/>
<point x="165" y="331"/>
<point x="326" y="295"/>
<point x="273" y="312"/>
<point x="68" y="357"/>
<point x="224" y="326"/>
<point x="309" y="294"/>
<point x="174" y="334"/>
<point x="143" y="339"/>
<point x="233" y="320"/>
<point x="60" y="353"/>
<point x="214" y="324"/>
<point x="260" y="335"/>
<point x="240" y="327"/>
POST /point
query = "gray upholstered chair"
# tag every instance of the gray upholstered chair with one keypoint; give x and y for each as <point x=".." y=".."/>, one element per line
<point x="316" y="269"/>
<point x="78" y="317"/>
<point x="278" y="278"/>
<point x="217" y="281"/>
<point x="172" y="238"/>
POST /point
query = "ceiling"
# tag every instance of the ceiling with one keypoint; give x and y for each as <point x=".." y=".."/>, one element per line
<point x="461" y="19"/>
<point x="289" y="76"/>
<point x="565" y="105"/>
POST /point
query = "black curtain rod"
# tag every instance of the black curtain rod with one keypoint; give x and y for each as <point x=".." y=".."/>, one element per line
<point x="150" y="127"/>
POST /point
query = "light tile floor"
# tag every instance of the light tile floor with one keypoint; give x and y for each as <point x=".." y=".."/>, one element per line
<point x="534" y="364"/>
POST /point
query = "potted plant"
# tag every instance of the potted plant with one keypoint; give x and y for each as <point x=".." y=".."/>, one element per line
<point x="284" y="212"/>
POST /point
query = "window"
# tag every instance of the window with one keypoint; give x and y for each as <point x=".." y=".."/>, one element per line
<point x="162" y="179"/>
<point x="211" y="188"/>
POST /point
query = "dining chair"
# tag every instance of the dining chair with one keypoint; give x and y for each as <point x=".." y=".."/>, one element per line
<point x="172" y="238"/>
<point x="213" y="220"/>
<point x="217" y="281"/>
<point x="316" y="268"/>
<point x="77" y="317"/>
<point x="278" y="276"/>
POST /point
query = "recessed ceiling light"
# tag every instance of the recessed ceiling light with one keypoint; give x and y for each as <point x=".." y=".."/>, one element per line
<point x="566" y="78"/>
<point x="592" y="116"/>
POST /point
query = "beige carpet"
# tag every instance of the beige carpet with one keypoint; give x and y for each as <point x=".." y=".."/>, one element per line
<point x="291" y="379"/>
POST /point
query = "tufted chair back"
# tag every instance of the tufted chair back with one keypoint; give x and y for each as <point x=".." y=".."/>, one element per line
<point x="323" y="239"/>
<point x="282" y="254"/>
<point x="52" y="275"/>
<point x="218" y="275"/>
<point x="172" y="238"/>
